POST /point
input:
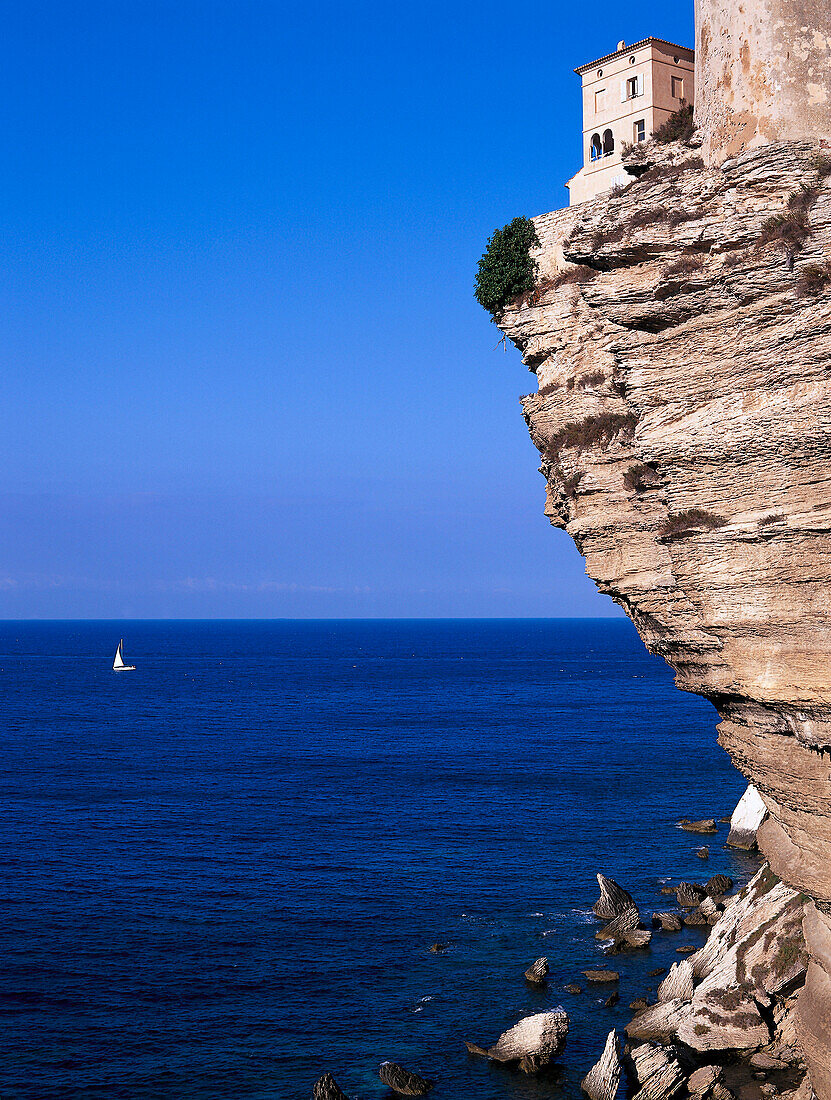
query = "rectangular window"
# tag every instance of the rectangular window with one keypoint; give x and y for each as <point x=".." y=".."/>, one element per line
<point x="632" y="87"/>
<point x="640" y="130"/>
<point x="600" y="101"/>
<point x="678" y="87"/>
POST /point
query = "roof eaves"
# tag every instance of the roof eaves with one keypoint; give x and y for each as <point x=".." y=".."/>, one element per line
<point x="627" y="49"/>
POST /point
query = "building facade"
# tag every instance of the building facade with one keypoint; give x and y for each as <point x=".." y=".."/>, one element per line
<point x="627" y="95"/>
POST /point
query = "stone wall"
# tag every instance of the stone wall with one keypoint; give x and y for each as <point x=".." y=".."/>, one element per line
<point x="763" y="73"/>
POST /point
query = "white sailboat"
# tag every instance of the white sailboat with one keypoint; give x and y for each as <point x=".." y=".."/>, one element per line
<point x="118" y="662"/>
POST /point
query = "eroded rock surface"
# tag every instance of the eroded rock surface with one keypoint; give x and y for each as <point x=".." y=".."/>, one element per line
<point x="531" y="1044"/>
<point x="683" y="416"/>
<point x="602" y="1080"/>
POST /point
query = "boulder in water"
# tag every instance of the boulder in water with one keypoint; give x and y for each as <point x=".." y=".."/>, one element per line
<point x="327" y="1089"/>
<point x="707" y="825"/>
<point x="669" y="922"/>
<point x="537" y="972"/>
<point x="531" y="1044"/>
<point x="403" y="1081"/>
<point x="601" y="975"/>
<point x="689" y="894"/>
<point x="613" y="899"/>
<point x="602" y="1080"/>
<point x="626" y="920"/>
<point x="703" y="853"/>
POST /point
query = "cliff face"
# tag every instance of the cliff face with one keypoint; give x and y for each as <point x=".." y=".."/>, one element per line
<point x="683" y="416"/>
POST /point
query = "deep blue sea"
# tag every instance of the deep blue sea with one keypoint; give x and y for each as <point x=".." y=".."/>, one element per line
<point x="221" y="873"/>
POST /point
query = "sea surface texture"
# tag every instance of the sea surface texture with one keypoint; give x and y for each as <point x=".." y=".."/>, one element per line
<point x="221" y="873"/>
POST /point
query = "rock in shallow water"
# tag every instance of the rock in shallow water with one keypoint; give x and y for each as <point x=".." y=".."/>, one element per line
<point x="537" y="972"/>
<point x="708" y="825"/>
<point x="403" y="1081"/>
<point x="601" y="975"/>
<point x="327" y="1089"/>
<point x="613" y="899"/>
<point x="689" y="894"/>
<point x="626" y="920"/>
<point x="602" y="1080"/>
<point x="669" y="922"/>
<point x="718" y="884"/>
<point x="531" y="1044"/>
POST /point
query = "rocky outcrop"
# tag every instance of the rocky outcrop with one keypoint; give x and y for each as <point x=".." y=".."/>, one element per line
<point x="403" y="1081"/>
<point x="747" y="819"/>
<point x="613" y="899"/>
<point x="657" y="1071"/>
<point x="537" y="972"/>
<point x="681" y="338"/>
<point x="602" y="1080"/>
<point x="326" y="1088"/>
<point x="531" y="1044"/>
<point x="736" y="994"/>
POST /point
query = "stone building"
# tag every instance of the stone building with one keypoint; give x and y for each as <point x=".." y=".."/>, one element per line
<point x="626" y="96"/>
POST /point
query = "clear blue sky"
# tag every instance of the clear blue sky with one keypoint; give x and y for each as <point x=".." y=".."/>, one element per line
<point x="244" y="371"/>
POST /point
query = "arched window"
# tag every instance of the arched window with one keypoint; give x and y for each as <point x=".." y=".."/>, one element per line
<point x="608" y="143"/>
<point x="597" y="148"/>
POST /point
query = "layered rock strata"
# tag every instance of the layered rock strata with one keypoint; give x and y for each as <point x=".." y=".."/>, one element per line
<point x="681" y="338"/>
<point x="732" y="1003"/>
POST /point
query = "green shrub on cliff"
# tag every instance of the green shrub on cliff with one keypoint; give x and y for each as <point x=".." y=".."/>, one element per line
<point x="506" y="269"/>
<point x="680" y="126"/>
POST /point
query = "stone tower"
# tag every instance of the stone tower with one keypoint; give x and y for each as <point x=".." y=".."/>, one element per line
<point x="762" y="72"/>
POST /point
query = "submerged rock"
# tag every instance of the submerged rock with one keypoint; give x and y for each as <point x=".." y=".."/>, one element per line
<point x="708" y="825"/>
<point x="326" y="1088"/>
<point x="602" y="1080"/>
<point x="573" y="987"/>
<point x="747" y="817"/>
<point x="537" y="972"/>
<point x="531" y="1044"/>
<point x="403" y="1081"/>
<point x="613" y="899"/>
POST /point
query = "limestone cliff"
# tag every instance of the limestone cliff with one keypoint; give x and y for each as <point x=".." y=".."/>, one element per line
<point x="681" y="338"/>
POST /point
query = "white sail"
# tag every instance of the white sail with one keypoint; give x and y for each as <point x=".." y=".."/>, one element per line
<point x="118" y="661"/>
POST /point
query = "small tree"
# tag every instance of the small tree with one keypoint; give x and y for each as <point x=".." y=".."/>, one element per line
<point x="680" y="126"/>
<point x="506" y="269"/>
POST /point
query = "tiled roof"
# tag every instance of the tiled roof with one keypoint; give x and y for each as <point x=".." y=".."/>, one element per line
<point x="628" y="49"/>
